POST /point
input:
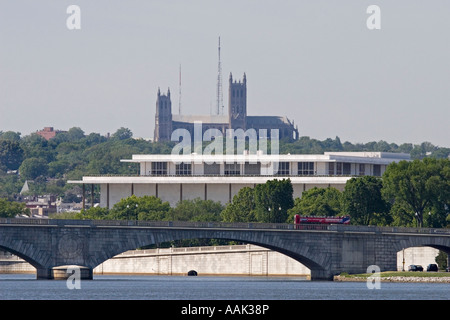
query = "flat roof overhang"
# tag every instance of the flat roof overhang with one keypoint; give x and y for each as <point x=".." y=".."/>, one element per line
<point x="209" y="179"/>
<point x="377" y="158"/>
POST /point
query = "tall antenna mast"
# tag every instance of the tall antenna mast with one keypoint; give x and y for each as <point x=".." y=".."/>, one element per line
<point x="219" y="85"/>
<point x="179" y="94"/>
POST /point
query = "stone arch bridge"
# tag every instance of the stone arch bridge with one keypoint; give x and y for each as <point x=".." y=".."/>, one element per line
<point x="326" y="250"/>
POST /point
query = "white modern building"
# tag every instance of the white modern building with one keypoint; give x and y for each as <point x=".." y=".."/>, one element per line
<point x="219" y="177"/>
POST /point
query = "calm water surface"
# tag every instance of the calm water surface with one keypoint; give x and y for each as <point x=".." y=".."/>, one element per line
<point x="25" y="287"/>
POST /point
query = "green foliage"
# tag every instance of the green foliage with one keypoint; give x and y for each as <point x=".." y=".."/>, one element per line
<point x="317" y="202"/>
<point x="197" y="210"/>
<point x="441" y="260"/>
<point x="10" y="209"/>
<point x="152" y="208"/>
<point x="11" y="154"/>
<point x="268" y="202"/>
<point x="421" y="187"/>
<point x="140" y="208"/>
<point x="10" y="135"/>
<point x="94" y="213"/>
<point x="273" y="199"/>
<point x="242" y="208"/>
<point x="32" y="168"/>
<point x="122" y="134"/>
<point x="9" y="185"/>
<point x="362" y="200"/>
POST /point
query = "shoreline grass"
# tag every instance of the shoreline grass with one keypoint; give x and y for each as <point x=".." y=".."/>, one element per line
<point x="386" y="274"/>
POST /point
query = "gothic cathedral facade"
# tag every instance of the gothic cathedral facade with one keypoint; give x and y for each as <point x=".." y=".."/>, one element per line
<point x="166" y="122"/>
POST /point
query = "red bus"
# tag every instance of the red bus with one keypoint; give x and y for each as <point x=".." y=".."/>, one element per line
<point x="298" y="219"/>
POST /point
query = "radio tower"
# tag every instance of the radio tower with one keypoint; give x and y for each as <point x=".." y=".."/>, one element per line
<point x="219" y="85"/>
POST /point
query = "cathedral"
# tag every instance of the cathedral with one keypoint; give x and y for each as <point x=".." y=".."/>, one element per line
<point x="237" y="118"/>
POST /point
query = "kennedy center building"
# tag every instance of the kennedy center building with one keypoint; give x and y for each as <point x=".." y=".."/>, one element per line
<point x="174" y="178"/>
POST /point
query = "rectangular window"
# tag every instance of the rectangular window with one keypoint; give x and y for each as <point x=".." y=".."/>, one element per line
<point x="211" y="169"/>
<point x="159" y="168"/>
<point x="338" y="168"/>
<point x="252" y="168"/>
<point x="362" y="169"/>
<point x="283" y="168"/>
<point x="232" y="169"/>
<point x="347" y="168"/>
<point x="183" y="169"/>
<point x="331" y="168"/>
<point x="306" y="168"/>
<point x="376" y="170"/>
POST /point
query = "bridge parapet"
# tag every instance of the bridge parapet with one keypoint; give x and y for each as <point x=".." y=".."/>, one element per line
<point x="220" y="225"/>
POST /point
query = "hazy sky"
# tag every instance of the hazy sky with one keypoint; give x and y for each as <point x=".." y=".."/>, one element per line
<point x="315" y="62"/>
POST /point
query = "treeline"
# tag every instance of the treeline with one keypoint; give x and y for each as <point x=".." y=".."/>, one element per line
<point x="306" y="145"/>
<point x="47" y="165"/>
<point x="410" y="194"/>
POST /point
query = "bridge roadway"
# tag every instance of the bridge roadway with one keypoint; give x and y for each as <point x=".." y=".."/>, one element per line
<point x="50" y="244"/>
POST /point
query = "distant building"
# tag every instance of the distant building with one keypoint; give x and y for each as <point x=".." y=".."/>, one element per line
<point x="47" y="133"/>
<point x="237" y="118"/>
<point x="25" y="188"/>
<point x="174" y="178"/>
<point x="42" y="206"/>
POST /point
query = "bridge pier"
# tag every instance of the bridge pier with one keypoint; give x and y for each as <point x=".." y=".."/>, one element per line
<point x="43" y="273"/>
<point x="320" y="275"/>
<point x="64" y="272"/>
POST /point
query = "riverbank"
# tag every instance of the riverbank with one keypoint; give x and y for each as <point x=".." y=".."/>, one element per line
<point x="393" y="276"/>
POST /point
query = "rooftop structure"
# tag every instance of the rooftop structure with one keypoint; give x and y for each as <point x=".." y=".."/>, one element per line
<point x="47" y="133"/>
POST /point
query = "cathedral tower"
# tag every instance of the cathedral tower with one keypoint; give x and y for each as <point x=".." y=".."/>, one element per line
<point x="163" y="117"/>
<point x="237" y="103"/>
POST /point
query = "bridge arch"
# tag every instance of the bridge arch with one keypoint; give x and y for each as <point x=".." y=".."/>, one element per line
<point x="28" y="259"/>
<point x="307" y="257"/>
<point x="423" y="241"/>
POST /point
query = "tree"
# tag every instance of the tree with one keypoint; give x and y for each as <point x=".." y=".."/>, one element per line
<point x="362" y="200"/>
<point x="441" y="260"/>
<point x="93" y="213"/>
<point x="32" y="168"/>
<point x="420" y="186"/>
<point x="273" y="199"/>
<point x="75" y="134"/>
<point x="35" y="146"/>
<point x="10" y="209"/>
<point x="140" y="208"/>
<point x="317" y="202"/>
<point x="10" y="135"/>
<point x="242" y="208"/>
<point x="197" y="210"/>
<point x="122" y="134"/>
<point x="11" y="154"/>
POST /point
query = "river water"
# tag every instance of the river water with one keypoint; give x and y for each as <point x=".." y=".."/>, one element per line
<point x="25" y="287"/>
